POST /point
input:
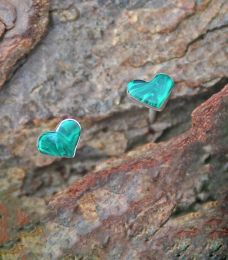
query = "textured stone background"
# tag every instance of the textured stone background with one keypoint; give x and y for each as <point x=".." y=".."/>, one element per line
<point x="88" y="52"/>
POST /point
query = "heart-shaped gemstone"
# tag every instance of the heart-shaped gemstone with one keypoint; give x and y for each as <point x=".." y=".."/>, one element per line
<point x="62" y="142"/>
<point x="154" y="93"/>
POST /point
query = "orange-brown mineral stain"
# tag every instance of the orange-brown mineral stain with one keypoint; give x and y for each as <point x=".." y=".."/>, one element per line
<point x="4" y="236"/>
<point x="87" y="205"/>
<point x="21" y="218"/>
<point x="186" y="233"/>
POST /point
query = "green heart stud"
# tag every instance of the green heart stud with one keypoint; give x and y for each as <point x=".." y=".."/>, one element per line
<point x="153" y="94"/>
<point x="62" y="142"/>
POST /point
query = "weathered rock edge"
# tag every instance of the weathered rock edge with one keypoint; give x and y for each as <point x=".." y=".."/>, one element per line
<point x="21" y="28"/>
<point x="126" y="210"/>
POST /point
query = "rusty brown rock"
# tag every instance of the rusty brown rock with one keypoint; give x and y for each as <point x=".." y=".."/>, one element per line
<point x="130" y="211"/>
<point x="80" y="69"/>
<point x="22" y="24"/>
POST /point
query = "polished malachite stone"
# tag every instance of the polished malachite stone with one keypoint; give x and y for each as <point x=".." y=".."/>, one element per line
<point x="62" y="142"/>
<point x="154" y="93"/>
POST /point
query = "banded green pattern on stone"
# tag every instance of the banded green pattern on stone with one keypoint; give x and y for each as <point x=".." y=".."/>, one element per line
<point x="154" y="93"/>
<point x="62" y="142"/>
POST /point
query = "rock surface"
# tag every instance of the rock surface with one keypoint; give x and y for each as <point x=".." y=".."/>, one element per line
<point x="161" y="201"/>
<point x="80" y="70"/>
<point x="22" y="24"/>
<point x="132" y="211"/>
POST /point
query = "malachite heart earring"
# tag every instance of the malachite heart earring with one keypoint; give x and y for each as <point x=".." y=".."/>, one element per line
<point x="153" y="94"/>
<point x="62" y="142"/>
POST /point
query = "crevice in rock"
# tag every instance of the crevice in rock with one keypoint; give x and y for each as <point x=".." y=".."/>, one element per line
<point x="198" y="38"/>
<point x="47" y="180"/>
<point x="63" y="172"/>
<point x="192" y="208"/>
<point x="186" y="106"/>
<point x="202" y="36"/>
